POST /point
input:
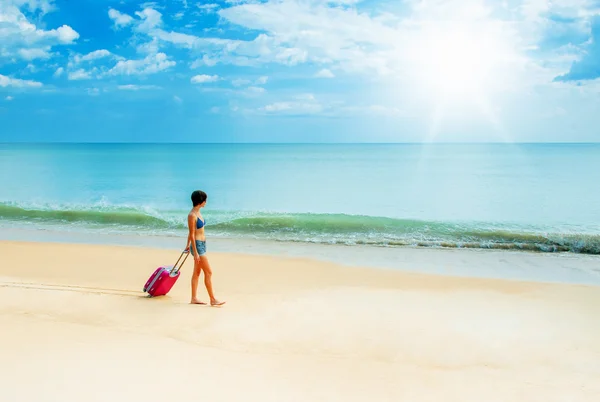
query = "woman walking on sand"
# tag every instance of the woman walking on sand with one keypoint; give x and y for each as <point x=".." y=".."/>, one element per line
<point x="196" y="244"/>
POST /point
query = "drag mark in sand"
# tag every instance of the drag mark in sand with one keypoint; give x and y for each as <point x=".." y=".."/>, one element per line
<point x="71" y="288"/>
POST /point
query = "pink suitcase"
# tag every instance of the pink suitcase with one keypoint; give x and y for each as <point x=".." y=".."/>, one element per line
<point x="163" y="279"/>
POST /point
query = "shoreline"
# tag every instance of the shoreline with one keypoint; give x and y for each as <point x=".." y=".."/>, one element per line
<point x="558" y="267"/>
<point x="309" y="227"/>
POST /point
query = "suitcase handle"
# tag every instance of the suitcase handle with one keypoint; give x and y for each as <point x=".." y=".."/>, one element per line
<point x="175" y="269"/>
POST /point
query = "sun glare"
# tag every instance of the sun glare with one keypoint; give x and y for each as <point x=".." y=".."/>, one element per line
<point x="456" y="64"/>
<point x="459" y="69"/>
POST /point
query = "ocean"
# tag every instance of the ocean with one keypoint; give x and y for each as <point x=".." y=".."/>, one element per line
<point x="534" y="197"/>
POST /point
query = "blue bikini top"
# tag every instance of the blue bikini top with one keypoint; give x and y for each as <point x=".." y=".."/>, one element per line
<point x="199" y="222"/>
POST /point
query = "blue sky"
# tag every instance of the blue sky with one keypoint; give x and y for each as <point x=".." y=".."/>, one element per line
<point x="300" y="70"/>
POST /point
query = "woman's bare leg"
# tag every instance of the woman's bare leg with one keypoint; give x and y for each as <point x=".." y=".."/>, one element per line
<point x="195" y="277"/>
<point x="208" y="281"/>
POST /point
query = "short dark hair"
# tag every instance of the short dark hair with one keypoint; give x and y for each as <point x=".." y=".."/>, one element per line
<point x="198" y="197"/>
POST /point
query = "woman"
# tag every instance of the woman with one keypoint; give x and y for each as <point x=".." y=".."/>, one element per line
<point x="196" y="244"/>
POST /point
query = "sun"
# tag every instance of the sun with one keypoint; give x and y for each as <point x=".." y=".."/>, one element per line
<point x="458" y="70"/>
<point x="454" y="65"/>
<point x="458" y="63"/>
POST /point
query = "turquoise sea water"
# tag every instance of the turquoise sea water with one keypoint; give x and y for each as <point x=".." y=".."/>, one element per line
<point x="542" y="197"/>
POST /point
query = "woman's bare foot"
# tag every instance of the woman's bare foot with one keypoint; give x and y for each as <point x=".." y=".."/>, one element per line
<point x="216" y="303"/>
<point x="196" y="301"/>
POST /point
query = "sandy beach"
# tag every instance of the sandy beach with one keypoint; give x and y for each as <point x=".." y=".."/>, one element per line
<point x="77" y="327"/>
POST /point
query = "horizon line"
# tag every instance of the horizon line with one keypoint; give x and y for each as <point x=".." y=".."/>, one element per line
<point x="299" y="143"/>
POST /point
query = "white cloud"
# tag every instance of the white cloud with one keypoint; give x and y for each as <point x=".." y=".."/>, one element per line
<point x="22" y="39"/>
<point x="306" y="97"/>
<point x="34" y="53"/>
<point x="150" y="19"/>
<point x="324" y="73"/>
<point x="293" y="32"/>
<point x="255" y="90"/>
<point x="65" y="34"/>
<point x="278" y="107"/>
<point x="204" y="61"/>
<point x="148" y="23"/>
<point x="240" y="52"/>
<point x="203" y="78"/>
<point x="316" y="33"/>
<point x="177" y="99"/>
<point x="373" y="110"/>
<point x="261" y="50"/>
<point x="80" y="74"/>
<point x="291" y="56"/>
<point x="180" y="39"/>
<point x="75" y="72"/>
<point x="303" y="104"/>
<point x="151" y="64"/>
<point x="151" y="4"/>
<point x="18" y="83"/>
<point x="208" y="7"/>
<point x="59" y="71"/>
<point x="133" y="87"/>
<point x="293" y="108"/>
<point x="262" y="80"/>
<point x="44" y="6"/>
<point x="240" y="82"/>
<point x="120" y="20"/>
<point x="308" y="104"/>
<point x="337" y="37"/>
<point x="96" y="54"/>
<point x="9" y="98"/>
<point x="151" y="47"/>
